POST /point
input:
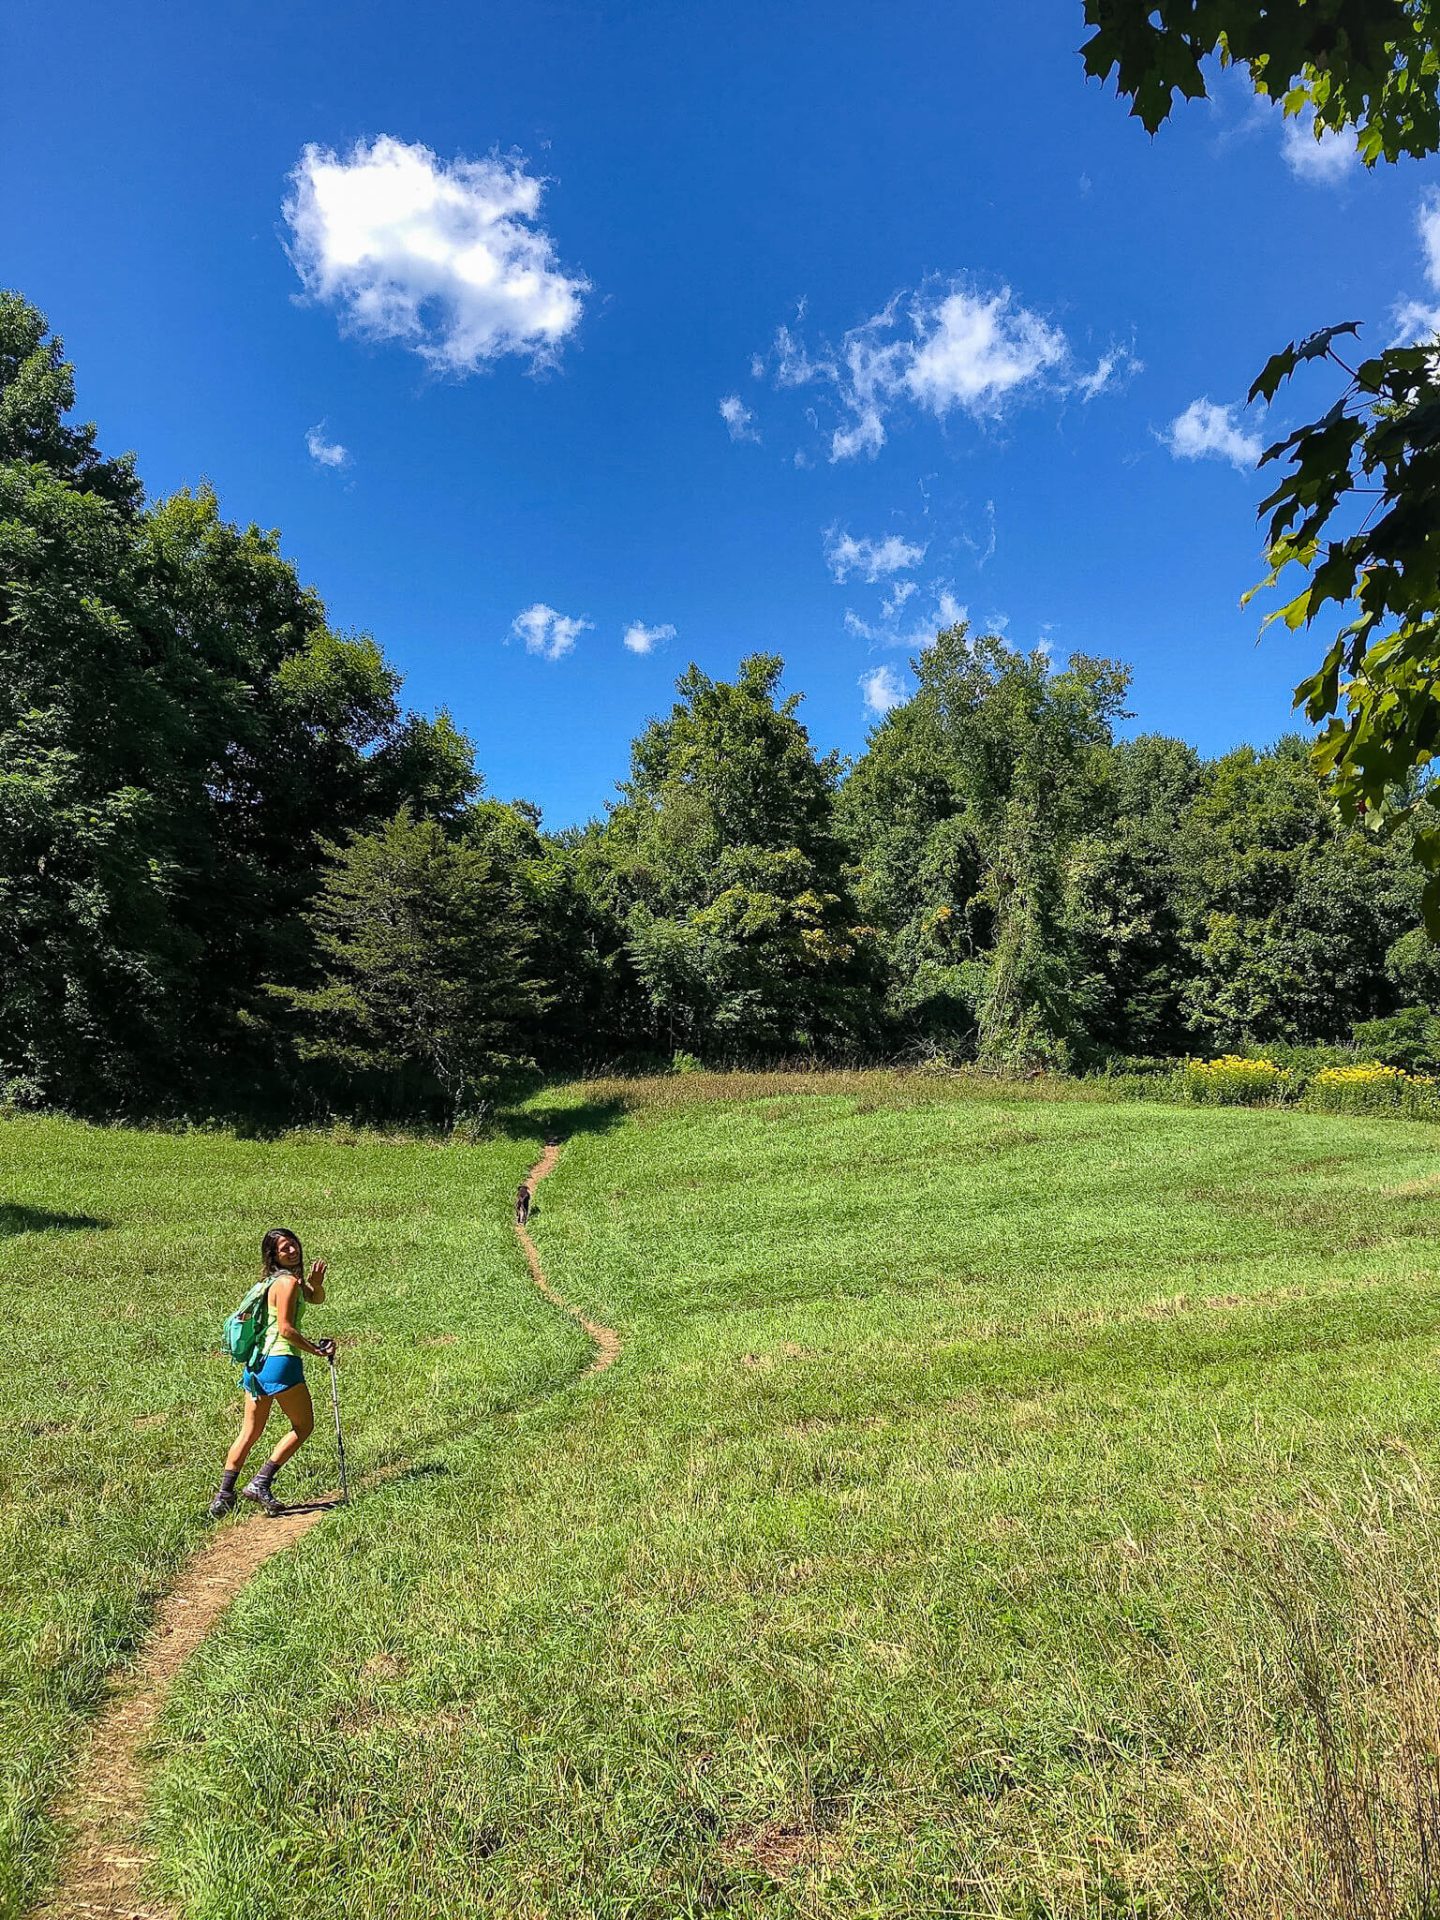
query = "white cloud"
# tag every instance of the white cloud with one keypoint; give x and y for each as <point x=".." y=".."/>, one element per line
<point x="970" y="352"/>
<point x="1416" y="322"/>
<point x="942" y="610"/>
<point x="872" y="559"/>
<point x="793" y="365"/>
<point x="1323" y="162"/>
<point x="739" y="418"/>
<point x="1205" y="431"/>
<point x="325" y="453"/>
<point x="1112" y="367"/>
<point x="642" y="639"/>
<point x="883" y="689"/>
<point x="949" y="346"/>
<point x="444" y="257"/>
<point x="1428" y="223"/>
<point x="872" y="378"/>
<point x="550" y="634"/>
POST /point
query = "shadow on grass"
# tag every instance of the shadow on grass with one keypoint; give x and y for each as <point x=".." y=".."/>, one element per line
<point x="15" y="1218"/>
<point x="558" y="1124"/>
<point x="425" y="1470"/>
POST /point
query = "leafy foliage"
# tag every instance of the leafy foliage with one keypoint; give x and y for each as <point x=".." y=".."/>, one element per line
<point x="425" y="964"/>
<point x="1357" y="509"/>
<point x="1368" y="64"/>
<point x="1409" y="1038"/>
<point x="180" y="730"/>
<point x="964" y="812"/>
<point x="1381" y="439"/>
<point x="741" y="928"/>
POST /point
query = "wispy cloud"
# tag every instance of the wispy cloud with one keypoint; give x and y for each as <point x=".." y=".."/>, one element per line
<point x="445" y="257"/>
<point x="547" y="633"/>
<point x="1108" y="372"/>
<point x="986" y="553"/>
<point x="642" y="639"/>
<point x="1205" y="431"/>
<point x="918" y="630"/>
<point x="895" y="599"/>
<point x="1417" y="321"/>
<point x="883" y="689"/>
<point x="872" y="559"/>
<point x="1322" y="162"/>
<point x="949" y="347"/>
<point x="325" y="453"/>
<point x="739" y="418"/>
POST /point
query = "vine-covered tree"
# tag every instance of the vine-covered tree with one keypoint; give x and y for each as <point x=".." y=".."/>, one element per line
<point x="964" y="813"/>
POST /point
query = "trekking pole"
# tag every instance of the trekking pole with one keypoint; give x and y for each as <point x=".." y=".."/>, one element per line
<point x="339" y="1440"/>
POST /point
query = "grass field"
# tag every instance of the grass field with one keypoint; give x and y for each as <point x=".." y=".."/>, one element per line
<point x="1002" y="1505"/>
<point x="122" y="1251"/>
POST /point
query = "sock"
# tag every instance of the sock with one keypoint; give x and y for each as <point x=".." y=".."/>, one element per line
<point x="265" y="1475"/>
<point x="228" y="1479"/>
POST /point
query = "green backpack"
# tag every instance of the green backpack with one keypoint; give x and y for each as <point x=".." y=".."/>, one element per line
<point x="243" y="1333"/>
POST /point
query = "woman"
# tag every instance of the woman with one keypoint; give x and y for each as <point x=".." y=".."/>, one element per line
<point x="279" y="1371"/>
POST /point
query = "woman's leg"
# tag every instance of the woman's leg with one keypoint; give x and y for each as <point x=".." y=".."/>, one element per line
<point x="252" y="1425"/>
<point x="296" y="1406"/>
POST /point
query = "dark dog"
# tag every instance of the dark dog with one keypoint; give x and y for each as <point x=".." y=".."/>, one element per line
<point x="522" y="1205"/>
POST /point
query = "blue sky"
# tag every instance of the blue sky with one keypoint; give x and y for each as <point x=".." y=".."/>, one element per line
<point x="514" y="260"/>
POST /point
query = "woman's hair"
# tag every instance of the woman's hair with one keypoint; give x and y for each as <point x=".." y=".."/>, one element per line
<point x="269" y="1260"/>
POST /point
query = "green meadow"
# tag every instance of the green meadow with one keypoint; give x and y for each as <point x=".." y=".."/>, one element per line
<point x="1004" y="1504"/>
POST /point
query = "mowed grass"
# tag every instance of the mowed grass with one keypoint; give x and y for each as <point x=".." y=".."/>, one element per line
<point x="121" y="1253"/>
<point x="937" y="1546"/>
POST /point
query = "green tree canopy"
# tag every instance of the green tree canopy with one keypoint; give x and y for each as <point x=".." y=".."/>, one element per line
<point x="180" y="729"/>
<point x="427" y="983"/>
<point x="741" y="928"/>
<point x="963" y="813"/>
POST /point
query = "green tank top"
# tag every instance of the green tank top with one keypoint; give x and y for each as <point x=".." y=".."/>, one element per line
<point x="273" y="1342"/>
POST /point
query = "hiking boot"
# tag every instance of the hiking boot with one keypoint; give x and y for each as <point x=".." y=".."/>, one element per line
<point x="263" y="1498"/>
<point x="222" y="1504"/>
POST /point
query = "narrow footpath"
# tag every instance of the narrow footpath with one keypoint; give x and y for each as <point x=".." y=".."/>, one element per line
<point x="103" y="1866"/>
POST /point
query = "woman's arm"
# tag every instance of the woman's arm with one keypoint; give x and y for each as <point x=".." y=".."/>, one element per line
<point x="284" y="1297"/>
<point x="314" y="1283"/>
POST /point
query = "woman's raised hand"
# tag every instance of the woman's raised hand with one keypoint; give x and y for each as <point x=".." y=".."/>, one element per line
<point x="317" y="1272"/>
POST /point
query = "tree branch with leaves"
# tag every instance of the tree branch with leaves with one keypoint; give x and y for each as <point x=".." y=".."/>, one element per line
<point x="1357" y="508"/>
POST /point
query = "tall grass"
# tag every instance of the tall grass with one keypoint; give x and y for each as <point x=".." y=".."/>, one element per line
<point x="1335" y="1814"/>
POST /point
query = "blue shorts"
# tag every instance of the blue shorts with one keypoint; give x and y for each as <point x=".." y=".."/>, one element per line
<point x="277" y="1373"/>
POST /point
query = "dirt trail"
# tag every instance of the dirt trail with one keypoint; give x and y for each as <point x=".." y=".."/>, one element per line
<point x="104" y="1810"/>
<point x="607" y="1341"/>
<point x="101" y="1873"/>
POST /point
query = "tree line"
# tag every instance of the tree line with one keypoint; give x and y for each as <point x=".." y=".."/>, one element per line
<point x="235" y="871"/>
